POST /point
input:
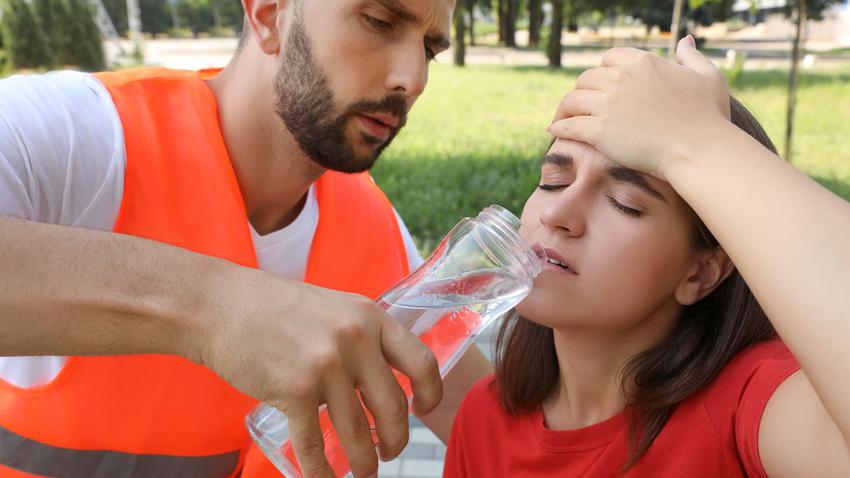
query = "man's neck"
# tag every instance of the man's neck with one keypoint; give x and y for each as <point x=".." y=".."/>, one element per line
<point x="273" y="173"/>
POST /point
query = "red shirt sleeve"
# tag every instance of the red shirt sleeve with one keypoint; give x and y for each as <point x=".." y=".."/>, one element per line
<point x="771" y="372"/>
<point x="736" y="399"/>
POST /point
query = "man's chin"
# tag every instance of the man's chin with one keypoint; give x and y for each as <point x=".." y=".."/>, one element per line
<point x="357" y="164"/>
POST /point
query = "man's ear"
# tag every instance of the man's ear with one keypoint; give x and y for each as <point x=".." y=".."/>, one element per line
<point x="262" y="18"/>
<point x="708" y="271"/>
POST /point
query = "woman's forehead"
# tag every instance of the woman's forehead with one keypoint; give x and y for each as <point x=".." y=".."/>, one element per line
<point x="587" y="155"/>
<point x="576" y="150"/>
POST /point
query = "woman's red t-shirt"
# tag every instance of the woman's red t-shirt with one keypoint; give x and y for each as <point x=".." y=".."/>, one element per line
<point x="713" y="433"/>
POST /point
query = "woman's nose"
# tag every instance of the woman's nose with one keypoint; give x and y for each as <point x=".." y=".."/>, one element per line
<point x="565" y="213"/>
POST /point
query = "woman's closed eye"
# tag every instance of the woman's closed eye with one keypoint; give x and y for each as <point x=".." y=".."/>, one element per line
<point x="551" y="187"/>
<point x="629" y="211"/>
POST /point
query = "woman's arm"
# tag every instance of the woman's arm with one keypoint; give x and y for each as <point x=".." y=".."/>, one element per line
<point x="788" y="236"/>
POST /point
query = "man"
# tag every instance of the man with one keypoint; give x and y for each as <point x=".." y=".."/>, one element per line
<point x="318" y="89"/>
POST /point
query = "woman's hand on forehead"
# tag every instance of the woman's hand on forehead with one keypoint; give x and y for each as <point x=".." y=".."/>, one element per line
<point x="643" y="111"/>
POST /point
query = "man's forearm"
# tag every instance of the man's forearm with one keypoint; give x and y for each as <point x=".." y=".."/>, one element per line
<point x="68" y="291"/>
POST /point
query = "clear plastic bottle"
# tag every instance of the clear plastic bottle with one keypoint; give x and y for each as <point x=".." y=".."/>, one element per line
<point x="480" y="270"/>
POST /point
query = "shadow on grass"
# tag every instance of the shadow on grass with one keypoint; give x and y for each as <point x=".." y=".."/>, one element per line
<point x="433" y="193"/>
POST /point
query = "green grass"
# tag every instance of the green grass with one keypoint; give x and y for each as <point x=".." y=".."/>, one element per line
<point x="476" y="135"/>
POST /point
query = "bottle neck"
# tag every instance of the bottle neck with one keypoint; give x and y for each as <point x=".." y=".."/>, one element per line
<point x="504" y="227"/>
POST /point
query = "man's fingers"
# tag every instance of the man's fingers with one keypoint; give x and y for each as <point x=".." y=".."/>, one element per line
<point x="406" y="353"/>
<point x="352" y="428"/>
<point x="584" y="129"/>
<point x="386" y="401"/>
<point x="307" y="441"/>
<point x="578" y="103"/>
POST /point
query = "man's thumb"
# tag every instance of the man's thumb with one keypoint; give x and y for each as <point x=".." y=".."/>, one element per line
<point x="689" y="57"/>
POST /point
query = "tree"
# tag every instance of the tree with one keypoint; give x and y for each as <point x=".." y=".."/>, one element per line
<point x="83" y="35"/>
<point x="553" y="49"/>
<point x="659" y="13"/>
<point x="535" y="21"/>
<point x="117" y="10"/>
<point x="511" y="14"/>
<point x="54" y="17"/>
<point x="801" y="11"/>
<point x="460" y="26"/>
<point x="156" y="16"/>
<point x="26" y="43"/>
<point x="232" y="14"/>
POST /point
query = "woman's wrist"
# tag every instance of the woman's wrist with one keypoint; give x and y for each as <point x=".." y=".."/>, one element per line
<point x="689" y="151"/>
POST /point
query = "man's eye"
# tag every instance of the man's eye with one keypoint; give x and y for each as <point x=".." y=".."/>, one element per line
<point x="377" y="23"/>
<point x="551" y="187"/>
<point x="430" y="54"/>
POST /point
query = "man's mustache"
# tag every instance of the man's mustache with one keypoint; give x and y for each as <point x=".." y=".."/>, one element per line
<point x="395" y="105"/>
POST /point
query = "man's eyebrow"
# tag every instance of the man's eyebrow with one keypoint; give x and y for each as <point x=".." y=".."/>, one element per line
<point x="401" y="12"/>
<point x="396" y="9"/>
<point x="557" y="159"/>
<point x="631" y="176"/>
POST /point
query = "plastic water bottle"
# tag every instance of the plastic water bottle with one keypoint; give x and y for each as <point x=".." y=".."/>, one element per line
<point x="480" y="270"/>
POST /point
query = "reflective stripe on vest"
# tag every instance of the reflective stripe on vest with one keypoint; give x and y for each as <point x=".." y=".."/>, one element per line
<point x="180" y="188"/>
<point x="30" y="456"/>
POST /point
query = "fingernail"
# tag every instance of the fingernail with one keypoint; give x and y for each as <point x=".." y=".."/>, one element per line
<point x="691" y="41"/>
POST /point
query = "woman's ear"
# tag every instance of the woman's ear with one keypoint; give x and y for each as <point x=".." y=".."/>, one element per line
<point x="709" y="270"/>
<point x="262" y="18"/>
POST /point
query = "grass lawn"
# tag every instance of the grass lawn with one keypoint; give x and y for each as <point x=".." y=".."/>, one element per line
<point x="476" y="135"/>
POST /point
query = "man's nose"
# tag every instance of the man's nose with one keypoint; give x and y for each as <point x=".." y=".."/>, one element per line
<point x="408" y="73"/>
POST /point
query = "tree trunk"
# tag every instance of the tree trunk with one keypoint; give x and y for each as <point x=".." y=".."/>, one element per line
<point x="460" y="26"/>
<point x="216" y="11"/>
<point x="510" y="27"/>
<point x="175" y="16"/>
<point x="794" y="78"/>
<point x="674" y="28"/>
<point x="471" y="13"/>
<point x="501" y="11"/>
<point x="554" y="47"/>
<point x="535" y="19"/>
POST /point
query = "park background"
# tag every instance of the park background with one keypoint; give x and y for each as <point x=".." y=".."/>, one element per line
<point x="475" y="136"/>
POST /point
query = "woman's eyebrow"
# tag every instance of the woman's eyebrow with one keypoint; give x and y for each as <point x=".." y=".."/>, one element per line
<point x="631" y="176"/>
<point x="557" y="159"/>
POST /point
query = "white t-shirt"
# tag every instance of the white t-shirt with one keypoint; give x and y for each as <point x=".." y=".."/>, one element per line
<point x="62" y="161"/>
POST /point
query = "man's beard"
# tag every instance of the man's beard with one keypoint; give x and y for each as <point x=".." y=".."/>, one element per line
<point x="305" y="103"/>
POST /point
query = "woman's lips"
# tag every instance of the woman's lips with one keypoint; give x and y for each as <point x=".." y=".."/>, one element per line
<point x="558" y="262"/>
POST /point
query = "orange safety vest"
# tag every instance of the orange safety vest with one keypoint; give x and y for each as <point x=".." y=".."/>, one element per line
<point x="162" y="415"/>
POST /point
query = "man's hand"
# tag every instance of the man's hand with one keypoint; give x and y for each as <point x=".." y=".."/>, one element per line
<point x="297" y="346"/>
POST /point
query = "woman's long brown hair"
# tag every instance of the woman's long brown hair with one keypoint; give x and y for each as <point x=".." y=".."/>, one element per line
<point x="706" y="336"/>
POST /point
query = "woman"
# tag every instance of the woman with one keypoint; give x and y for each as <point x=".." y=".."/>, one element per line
<point x="641" y="350"/>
